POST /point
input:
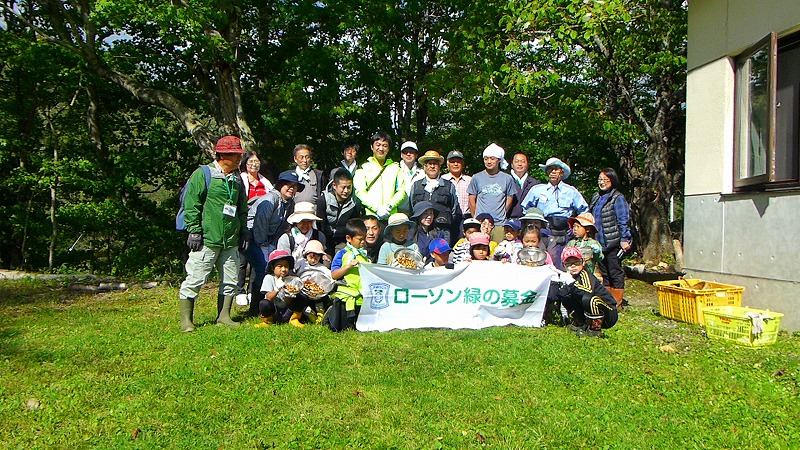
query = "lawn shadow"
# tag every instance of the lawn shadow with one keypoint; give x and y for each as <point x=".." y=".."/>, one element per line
<point x="25" y="292"/>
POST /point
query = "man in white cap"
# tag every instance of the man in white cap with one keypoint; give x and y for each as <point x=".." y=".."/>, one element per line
<point x="492" y="191"/>
<point x="456" y="175"/>
<point x="410" y="171"/>
<point x="557" y="200"/>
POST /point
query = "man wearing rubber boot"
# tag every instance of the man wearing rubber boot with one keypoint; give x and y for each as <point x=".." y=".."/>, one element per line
<point x="216" y="219"/>
<point x="590" y="306"/>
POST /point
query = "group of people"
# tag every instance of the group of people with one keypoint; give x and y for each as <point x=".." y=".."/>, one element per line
<point x="309" y="222"/>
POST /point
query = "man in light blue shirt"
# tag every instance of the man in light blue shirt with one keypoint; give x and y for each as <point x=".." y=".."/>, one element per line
<point x="557" y="200"/>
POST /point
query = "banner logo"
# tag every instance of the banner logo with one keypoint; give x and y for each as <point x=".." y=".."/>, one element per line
<point x="379" y="298"/>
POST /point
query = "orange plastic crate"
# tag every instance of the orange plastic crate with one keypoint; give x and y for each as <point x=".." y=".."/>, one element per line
<point x="679" y="302"/>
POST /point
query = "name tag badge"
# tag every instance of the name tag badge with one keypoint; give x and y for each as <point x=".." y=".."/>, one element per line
<point x="229" y="210"/>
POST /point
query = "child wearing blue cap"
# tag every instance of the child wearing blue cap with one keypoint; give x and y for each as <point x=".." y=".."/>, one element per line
<point x="439" y="253"/>
<point x="507" y="250"/>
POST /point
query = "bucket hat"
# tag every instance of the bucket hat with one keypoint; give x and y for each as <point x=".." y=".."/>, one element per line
<point x="557" y="163"/>
<point x="229" y="144"/>
<point x="586" y="219"/>
<point x="396" y="220"/>
<point x="277" y="255"/>
<point x="303" y="211"/>
<point x="313" y="246"/>
<point x="420" y="208"/>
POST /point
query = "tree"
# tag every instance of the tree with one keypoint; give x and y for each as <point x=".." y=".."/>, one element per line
<point x="143" y="46"/>
<point x="625" y="62"/>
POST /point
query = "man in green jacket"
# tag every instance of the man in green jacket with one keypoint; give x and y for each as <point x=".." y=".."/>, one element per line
<point x="216" y="219"/>
<point x="377" y="183"/>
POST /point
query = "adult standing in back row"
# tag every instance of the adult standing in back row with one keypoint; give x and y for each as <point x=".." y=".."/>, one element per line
<point x="492" y="191"/>
<point x="377" y="182"/>
<point x="311" y="178"/>
<point x="524" y="182"/>
<point x="558" y="201"/>
<point x="456" y="175"/>
<point x="612" y="214"/>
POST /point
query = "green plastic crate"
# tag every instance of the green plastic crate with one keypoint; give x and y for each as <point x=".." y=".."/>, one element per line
<point x="732" y="323"/>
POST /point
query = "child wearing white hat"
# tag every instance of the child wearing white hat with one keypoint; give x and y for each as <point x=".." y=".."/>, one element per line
<point x="302" y="231"/>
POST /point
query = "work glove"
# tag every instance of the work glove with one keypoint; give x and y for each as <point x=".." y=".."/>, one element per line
<point x="195" y="242"/>
<point x="383" y="212"/>
<point x="562" y="278"/>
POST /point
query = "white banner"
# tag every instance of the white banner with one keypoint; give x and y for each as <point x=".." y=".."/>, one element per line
<point x="474" y="295"/>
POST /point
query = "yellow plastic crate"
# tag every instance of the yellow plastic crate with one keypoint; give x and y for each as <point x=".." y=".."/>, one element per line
<point x="678" y="301"/>
<point x="732" y="323"/>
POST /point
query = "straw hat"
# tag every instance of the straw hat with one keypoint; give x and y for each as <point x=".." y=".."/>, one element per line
<point x="431" y="155"/>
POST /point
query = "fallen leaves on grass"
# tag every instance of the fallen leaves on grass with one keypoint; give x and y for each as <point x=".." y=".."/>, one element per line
<point x="358" y="393"/>
<point x="667" y="348"/>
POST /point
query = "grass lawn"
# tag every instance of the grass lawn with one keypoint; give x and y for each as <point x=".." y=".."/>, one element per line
<point x="113" y="370"/>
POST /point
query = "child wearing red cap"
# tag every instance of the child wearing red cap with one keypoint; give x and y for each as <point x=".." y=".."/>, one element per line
<point x="590" y="306"/>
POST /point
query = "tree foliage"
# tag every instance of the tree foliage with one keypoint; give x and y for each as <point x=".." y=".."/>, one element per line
<point x="107" y="105"/>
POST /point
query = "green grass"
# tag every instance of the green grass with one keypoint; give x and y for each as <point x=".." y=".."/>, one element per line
<point x="113" y="371"/>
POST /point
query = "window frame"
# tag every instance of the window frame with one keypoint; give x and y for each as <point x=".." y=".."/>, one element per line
<point x="769" y="42"/>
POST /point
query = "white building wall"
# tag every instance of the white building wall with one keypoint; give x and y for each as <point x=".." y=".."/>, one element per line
<point x="747" y="239"/>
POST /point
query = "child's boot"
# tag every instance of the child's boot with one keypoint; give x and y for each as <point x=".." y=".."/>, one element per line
<point x="187" y="314"/>
<point x="224" y="310"/>
<point x="295" y="319"/>
<point x="617" y="294"/>
<point x="594" y="327"/>
<point x="311" y="315"/>
<point x="265" y="321"/>
<point x="575" y="324"/>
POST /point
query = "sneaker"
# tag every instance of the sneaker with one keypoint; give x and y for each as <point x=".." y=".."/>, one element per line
<point x="590" y="333"/>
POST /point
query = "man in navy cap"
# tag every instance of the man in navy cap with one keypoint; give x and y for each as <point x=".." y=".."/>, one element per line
<point x="456" y="175"/>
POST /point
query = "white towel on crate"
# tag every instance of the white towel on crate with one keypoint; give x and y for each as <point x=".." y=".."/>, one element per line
<point x="758" y="323"/>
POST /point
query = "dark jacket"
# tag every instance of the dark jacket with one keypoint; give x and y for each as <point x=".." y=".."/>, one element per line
<point x="522" y="191"/>
<point x="336" y="216"/>
<point x="444" y="200"/>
